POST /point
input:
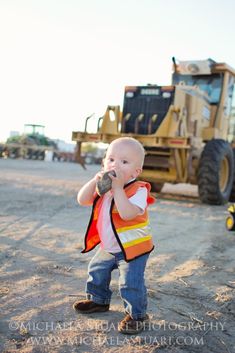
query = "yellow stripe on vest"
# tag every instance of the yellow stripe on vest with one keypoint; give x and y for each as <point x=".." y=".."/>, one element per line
<point x="139" y="225"/>
<point x="137" y="241"/>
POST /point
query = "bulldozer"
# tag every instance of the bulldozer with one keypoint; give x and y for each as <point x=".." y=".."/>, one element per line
<point x="32" y="144"/>
<point x="185" y="128"/>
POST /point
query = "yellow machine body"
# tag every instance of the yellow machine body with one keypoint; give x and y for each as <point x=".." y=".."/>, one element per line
<point x="174" y="123"/>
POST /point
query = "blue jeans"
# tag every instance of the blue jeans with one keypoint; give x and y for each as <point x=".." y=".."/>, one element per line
<point x="131" y="281"/>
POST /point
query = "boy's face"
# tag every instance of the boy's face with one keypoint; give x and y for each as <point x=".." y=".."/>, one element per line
<point x="124" y="158"/>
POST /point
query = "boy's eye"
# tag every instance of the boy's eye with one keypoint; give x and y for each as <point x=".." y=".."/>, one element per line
<point x="111" y="159"/>
<point x="124" y="161"/>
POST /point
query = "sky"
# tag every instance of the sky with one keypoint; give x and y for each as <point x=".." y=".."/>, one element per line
<point x="63" y="60"/>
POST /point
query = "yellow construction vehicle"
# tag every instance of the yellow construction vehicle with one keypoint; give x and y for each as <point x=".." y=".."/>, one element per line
<point x="185" y="128"/>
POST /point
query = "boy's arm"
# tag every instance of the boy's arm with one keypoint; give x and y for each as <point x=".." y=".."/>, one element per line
<point x="125" y="208"/>
<point x="85" y="195"/>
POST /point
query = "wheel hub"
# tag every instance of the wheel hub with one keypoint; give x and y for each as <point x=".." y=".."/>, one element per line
<point x="224" y="174"/>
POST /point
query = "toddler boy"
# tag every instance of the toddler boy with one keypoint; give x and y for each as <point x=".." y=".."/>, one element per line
<point x="119" y="223"/>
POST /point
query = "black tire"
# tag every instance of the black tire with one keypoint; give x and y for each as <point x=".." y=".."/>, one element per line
<point x="232" y="194"/>
<point x="41" y="156"/>
<point x="156" y="187"/>
<point x="215" y="172"/>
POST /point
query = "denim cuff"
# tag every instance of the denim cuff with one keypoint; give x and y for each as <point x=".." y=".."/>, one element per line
<point x="97" y="300"/>
<point x="139" y="316"/>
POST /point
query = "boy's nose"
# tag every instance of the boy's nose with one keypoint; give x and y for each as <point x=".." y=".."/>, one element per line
<point x="115" y="164"/>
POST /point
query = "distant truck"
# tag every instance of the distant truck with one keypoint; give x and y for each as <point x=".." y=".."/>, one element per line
<point x="33" y="144"/>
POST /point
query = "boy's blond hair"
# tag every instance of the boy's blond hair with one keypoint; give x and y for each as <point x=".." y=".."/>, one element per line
<point x="135" y="144"/>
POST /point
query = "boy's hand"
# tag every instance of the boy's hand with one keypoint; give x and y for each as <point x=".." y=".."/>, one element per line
<point x="118" y="180"/>
<point x="87" y="192"/>
<point x="98" y="176"/>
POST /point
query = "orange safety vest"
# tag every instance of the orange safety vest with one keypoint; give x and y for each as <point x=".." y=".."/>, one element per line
<point x="132" y="235"/>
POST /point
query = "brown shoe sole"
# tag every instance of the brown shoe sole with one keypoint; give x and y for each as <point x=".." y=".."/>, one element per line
<point x="95" y="309"/>
<point x="130" y="331"/>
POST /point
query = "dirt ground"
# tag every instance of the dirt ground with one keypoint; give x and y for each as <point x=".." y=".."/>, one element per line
<point x="190" y="275"/>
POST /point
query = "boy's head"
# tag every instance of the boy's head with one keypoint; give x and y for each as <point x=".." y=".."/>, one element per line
<point x="127" y="155"/>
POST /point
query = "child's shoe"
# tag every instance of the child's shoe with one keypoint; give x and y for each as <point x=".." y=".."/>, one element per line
<point x="130" y="326"/>
<point x="88" y="306"/>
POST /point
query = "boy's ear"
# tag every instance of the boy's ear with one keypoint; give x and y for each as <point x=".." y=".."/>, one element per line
<point x="137" y="172"/>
